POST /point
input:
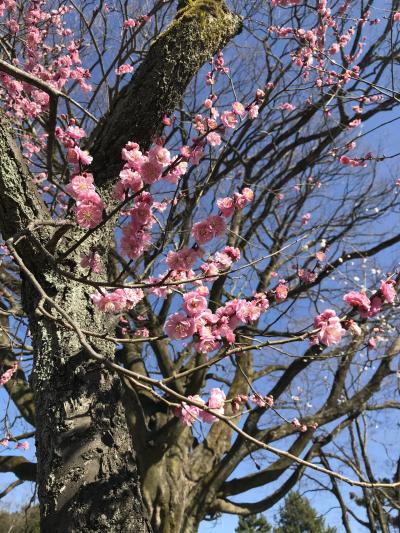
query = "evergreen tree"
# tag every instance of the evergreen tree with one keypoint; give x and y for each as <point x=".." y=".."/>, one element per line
<point x="254" y="523"/>
<point x="298" y="516"/>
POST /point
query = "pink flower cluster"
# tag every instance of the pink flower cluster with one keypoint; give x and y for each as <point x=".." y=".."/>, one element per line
<point x="207" y="229"/>
<point x="287" y="106"/>
<point x="147" y="168"/>
<point x="220" y="262"/>
<point x="211" y="329"/>
<point x="285" y="3"/>
<point x="331" y="330"/>
<point x="262" y="401"/>
<point x="92" y="261"/>
<point x="345" y="160"/>
<point x="8" y="374"/>
<point x="55" y="64"/>
<point x="136" y="234"/>
<point x="184" y="259"/>
<point x="209" y="127"/>
<point x="306" y="276"/>
<point x="140" y="169"/>
<point x="368" y="307"/>
<point x="123" y="69"/>
<point x="228" y="205"/>
<point x="89" y="206"/>
<point x="118" y="300"/>
<point x="303" y="427"/>
<point x="188" y="413"/>
<point x="23" y="445"/>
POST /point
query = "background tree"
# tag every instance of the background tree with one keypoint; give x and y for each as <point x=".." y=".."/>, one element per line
<point x="253" y="524"/>
<point x="23" y="521"/>
<point x="298" y="516"/>
<point x="288" y="113"/>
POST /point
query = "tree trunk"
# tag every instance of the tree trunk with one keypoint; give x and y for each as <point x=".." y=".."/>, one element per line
<point x="170" y="490"/>
<point x="87" y="473"/>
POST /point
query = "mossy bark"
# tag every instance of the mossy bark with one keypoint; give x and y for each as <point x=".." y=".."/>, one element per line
<point x="199" y="30"/>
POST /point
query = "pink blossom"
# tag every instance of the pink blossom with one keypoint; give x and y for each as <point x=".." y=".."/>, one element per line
<point x="305" y="218"/>
<point x="151" y="171"/>
<point x="24" y="445"/>
<point x="247" y="311"/>
<point x="179" y="326"/>
<point x="89" y="210"/>
<point x="160" y="155"/>
<point x="166" y="121"/>
<point x="300" y="427"/>
<point x="207" y="344"/>
<point x="132" y="296"/>
<point x="262" y="401"/>
<point x="92" y="261"/>
<point x="372" y="342"/>
<point x="123" y="69"/>
<point x="194" y="304"/>
<point x="306" y="276"/>
<point x="80" y="185"/>
<point x="238" y="109"/>
<point x="355" y="123"/>
<point x="228" y="119"/>
<point x="110" y="302"/>
<point x="141" y="213"/>
<point x="182" y="260"/>
<point x="129" y="180"/>
<point x="222" y="261"/>
<point x="253" y="111"/>
<point x="248" y="194"/>
<point x="217" y="224"/>
<point x="396" y="16"/>
<point x="132" y="155"/>
<point x="388" y="292"/>
<point x="281" y="292"/>
<point x="214" y="138"/>
<point x="210" y="270"/>
<point x="8" y="374"/>
<point x="359" y="300"/>
<point x="13" y="26"/>
<point x="187" y="413"/>
<point x="76" y="155"/>
<point x="226" y="206"/>
<point x="216" y="403"/>
<point x="287" y="106"/>
<point x="331" y="330"/>
<point x="129" y="23"/>
<point x="159" y="290"/>
<point x="376" y="305"/>
<point x="234" y="253"/>
<point x="75" y="132"/>
<point x="209" y="228"/>
<point x="334" y="48"/>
